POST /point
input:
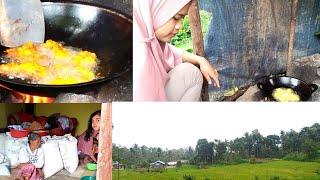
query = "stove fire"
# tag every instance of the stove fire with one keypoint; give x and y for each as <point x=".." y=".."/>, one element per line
<point x="18" y="97"/>
<point x="36" y="99"/>
<point x="12" y="96"/>
<point x="119" y="89"/>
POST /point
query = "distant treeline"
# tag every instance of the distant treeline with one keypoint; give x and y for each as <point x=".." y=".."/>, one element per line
<point x="291" y="145"/>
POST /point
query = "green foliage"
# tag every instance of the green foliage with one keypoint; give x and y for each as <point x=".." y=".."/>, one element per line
<point x="254" y="160"/>
<point x="235" y="159"/>
<point x="179" y="164"/>
<point x="275" y="178"/>
<point x="296" y="156"/>
<point x="142" y="156"/>
<point x="144" y="164"/>
<point x="188" y="177"/>
<point x="183" y="38"/>
<point x="317" y="171"/>
<point x="202" y="165"/>
<point x="204" y="151"/>
<point x="317" y="160"/>
<point x="159" y="170"/>
<point x="141" y="170"/>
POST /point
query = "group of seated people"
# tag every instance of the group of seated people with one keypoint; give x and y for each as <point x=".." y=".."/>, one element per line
<point x="31" y="158"/>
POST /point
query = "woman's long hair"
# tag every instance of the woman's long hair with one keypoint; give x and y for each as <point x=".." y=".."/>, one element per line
<point x="90" y="129"/>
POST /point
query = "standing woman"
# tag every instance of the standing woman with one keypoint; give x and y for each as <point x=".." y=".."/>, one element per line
<point x="161" y="72"/>
<point x="89" y="140"/>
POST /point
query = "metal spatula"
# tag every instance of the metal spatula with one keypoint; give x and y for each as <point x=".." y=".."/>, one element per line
<point x="21" y="21"/>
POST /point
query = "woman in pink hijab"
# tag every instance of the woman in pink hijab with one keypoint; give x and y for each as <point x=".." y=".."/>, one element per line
<point x="162" y="72"/>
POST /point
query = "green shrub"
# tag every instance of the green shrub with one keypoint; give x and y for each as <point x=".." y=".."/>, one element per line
<point x="235" y="159"/>
<point x="140" y="170"/>
<point x="183" y="38"/>
<point x="296" y="156"/>
<point x="317" y="171"/>
<point x="188" y="177"/>
<point x="179" y="164"/>
<point x="202" y="165"/>
<point x="317" y="160"/>
<point x="275" y="178"/>
<point x="144" y="164"/>
<point x="254" y="160"/>
<point x="160" y="170"/>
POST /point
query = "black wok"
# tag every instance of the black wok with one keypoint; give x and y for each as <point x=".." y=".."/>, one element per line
<point x="303" y="89"/>
<point x="89" y="27"/>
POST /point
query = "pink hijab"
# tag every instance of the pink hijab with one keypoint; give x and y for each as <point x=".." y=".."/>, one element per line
<point x="151" y="62"/>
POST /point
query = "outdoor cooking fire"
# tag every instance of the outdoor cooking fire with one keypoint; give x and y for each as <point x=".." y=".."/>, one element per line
<point x="27" y="98"/>
<point x="18" y="97"/>
<point x="36" y="99"/>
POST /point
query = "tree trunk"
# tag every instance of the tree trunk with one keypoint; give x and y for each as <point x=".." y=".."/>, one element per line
<point x="197" y="40"/>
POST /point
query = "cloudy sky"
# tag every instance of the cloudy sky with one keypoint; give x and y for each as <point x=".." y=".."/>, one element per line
<point x="176" y="125"/>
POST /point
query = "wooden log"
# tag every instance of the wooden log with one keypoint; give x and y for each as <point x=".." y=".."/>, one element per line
<point x="293" y="22"/>
<point x="238" y="94"/>
<point x="197" y="40"/>
<point x="104" y="171"/>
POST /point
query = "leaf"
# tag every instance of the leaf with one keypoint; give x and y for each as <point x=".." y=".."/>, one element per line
<point x="183" y="38"/>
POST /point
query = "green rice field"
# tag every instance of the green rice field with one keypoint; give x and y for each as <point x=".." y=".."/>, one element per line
<point x="271" y="170"/>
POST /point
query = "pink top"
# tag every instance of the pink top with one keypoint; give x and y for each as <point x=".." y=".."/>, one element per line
<point x="86" y="146"/>
<point x="151" y="62"/>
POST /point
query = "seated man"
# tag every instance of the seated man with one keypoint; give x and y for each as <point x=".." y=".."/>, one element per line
<point x="31" y="159"/>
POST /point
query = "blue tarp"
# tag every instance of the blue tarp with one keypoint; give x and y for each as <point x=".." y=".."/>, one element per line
<point x="248" y="39"/>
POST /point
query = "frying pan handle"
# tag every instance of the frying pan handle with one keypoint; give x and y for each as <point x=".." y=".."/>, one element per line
<point x="313" y="87"/>
<point x="276" y="75"/>
<point x="260" y="86"/>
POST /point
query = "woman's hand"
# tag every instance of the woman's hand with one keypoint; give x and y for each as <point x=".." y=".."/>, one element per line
<point x="94" y="159"/>
<point x="209" y="72"/>
<point x="88" y="159"/>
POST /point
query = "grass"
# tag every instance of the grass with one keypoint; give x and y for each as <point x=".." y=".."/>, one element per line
<point x="183" y="38"/>
<point x="276" y="169"/>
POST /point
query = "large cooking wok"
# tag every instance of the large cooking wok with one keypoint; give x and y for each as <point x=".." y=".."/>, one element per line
<point x="89" y="27"/>
<point x="270" y="83"/>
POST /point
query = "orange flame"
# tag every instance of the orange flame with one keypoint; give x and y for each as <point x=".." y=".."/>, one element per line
<point x="26" y="98"/>
<point x="36" y="99"/>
